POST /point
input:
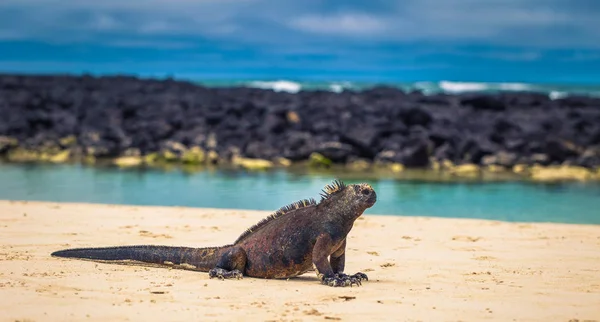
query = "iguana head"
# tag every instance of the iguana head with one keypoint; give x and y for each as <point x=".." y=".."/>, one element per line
<point x="361" y="196"/>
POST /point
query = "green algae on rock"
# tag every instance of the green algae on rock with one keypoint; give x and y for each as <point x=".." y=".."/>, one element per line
<point x="318" y="160"/>
<point x="468" y="169"/>
<point x="560" y="173"/>
<point x="22" y="155"/>
<point x="60" y="157"/>
<point x="194" y="155"/>
<point x="252" y="164"/>
<point x="128" y="161"/>
<point x="359" y="165"/>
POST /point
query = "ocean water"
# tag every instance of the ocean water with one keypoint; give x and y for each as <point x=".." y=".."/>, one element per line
<point x="554" y="91"/>
<point x="507" y="201"/>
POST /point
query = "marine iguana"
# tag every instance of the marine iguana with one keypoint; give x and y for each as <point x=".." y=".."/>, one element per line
<point x="287" y="243"/>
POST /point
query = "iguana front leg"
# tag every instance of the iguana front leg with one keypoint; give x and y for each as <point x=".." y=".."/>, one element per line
<point x="231" y="264"/>
<point x="331" y="271"/>
<point x="338" y="261"/>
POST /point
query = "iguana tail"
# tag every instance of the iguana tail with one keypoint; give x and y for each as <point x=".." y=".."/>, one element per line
<point x="199" y="259"/>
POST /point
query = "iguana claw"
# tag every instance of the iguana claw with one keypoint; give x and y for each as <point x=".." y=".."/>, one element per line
<point x="223" y="274"/>
<point x="342" y="280"/>
<point x="361" y="276"/>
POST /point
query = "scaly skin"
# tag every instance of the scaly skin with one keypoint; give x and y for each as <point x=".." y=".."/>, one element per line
<point x="286" y="244"/>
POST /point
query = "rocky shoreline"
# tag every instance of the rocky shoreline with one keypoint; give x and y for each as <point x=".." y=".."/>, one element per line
<point x="145" y="122"/>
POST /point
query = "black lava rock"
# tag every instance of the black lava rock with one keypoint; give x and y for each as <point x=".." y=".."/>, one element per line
<point x="114" y="114"/>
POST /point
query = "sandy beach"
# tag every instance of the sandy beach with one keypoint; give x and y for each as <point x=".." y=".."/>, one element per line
<point x="420" y="269"/>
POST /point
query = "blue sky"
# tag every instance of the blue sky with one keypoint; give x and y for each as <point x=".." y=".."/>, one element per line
<point x="461" y="40"/>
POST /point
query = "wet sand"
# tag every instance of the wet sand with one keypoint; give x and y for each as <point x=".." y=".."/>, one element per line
<point x="420" y="269"/>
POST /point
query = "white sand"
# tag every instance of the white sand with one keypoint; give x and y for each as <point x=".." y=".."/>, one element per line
<point x="421" y="269"/>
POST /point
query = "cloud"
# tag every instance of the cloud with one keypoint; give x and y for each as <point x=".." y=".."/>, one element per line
<point x="349" y="24"/>
<point x="162" y="44"/>
<point x="103" y="22"/>
<point x="10" y="35"/>
<point x="76" y="21"/>
<point x="582" y="56"/>
<point x="540" y="23"/>
<point x="433" y="38"/>
<point x="514" y="55"/>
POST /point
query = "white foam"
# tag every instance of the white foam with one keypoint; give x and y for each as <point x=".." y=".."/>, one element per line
<point x="278" y="86"/>
<point x="339" y="86"/>
<point x="556" y="95"/>
<point x="458" y="87"/>
<point x="427" y="87"/>
<point x="514" y="86"/>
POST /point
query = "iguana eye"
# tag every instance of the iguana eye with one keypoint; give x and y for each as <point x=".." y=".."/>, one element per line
<point x="365" y="192"/>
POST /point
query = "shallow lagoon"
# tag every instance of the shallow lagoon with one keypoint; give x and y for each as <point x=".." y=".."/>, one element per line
<point x="508" y="200"/>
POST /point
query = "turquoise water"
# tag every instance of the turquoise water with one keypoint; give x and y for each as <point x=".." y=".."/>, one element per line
<point x="509" y="201"/>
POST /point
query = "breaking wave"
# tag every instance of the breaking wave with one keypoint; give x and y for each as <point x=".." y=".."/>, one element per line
<point x="340" y="86"/>
<point x="461" y="87"/>
<point x="457" y="87"/>
<point x="449" y="87"/>
<point x="278" y="86"/>
<point x="556" y="95"/>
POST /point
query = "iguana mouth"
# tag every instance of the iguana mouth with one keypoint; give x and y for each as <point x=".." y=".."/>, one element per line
<point x="372" y="199"/>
